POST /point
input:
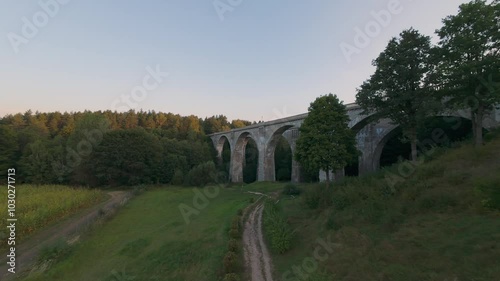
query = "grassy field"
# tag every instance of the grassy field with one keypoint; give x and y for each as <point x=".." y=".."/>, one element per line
<point x="436" y="223"/>
<point x="149" y="239"/>
<point x="39" y="206"/>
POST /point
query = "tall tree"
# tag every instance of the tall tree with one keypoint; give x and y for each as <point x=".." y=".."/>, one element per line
<point x="9" y="151"/>
<point x="326" y="142"/>
<point x="402" y="86"/>
<point x="470" y="60"/>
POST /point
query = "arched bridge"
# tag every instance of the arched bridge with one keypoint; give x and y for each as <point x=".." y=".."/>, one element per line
<point x="371" y="138"/>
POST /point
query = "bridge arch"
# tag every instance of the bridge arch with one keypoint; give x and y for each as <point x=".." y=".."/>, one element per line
<point x="269" y="163"/>
<point x="238" y="155"/>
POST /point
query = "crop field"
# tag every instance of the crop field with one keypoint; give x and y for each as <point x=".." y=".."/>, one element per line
<point x="39" y="206"/>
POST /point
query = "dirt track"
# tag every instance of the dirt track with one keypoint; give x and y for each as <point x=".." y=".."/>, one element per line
<point x="69" y="230"/>
<point x="257" y="259"/>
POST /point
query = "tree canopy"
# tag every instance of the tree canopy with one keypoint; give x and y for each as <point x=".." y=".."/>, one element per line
<point x="325" y="141"/>
<point x="401" y="88"/>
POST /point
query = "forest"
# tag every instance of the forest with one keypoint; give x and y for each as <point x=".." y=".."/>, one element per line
<point x="105" y="148"/>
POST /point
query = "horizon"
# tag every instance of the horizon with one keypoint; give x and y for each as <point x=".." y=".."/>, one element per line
<point x="254" y="61"/>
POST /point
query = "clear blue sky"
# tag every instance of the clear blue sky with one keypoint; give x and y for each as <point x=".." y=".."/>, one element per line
<point x="265" y="60"/>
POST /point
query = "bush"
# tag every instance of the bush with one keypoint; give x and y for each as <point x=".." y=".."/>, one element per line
<point x="240" y="212"/>
<point x="232" y="277"/>
<point x="55" y="252"/>
<point x="230" y="262"/>
<point x="318" y="197"/>
<point x="202" y="174"/>
<point x="234" y="233"/>
<point x="178" y="178"/>
<point x="277" y="229"/>
<point x="489" y="191"/>
<point x="235" y="223"/>
<point x="291" y="189"/>
<point x="233" y="245"/>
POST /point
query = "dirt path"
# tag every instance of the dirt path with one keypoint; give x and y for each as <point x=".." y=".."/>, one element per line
<point x="69" y="230"/>
<point x="257" y="258"/>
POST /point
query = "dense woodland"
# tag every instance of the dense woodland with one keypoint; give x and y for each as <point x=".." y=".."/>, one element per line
<point x="110" y="148"/>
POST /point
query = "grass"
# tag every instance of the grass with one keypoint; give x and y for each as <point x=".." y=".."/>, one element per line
<point x="439" y="222"/>
<point x="150" y="240"/>
<point x="39" y="206"/>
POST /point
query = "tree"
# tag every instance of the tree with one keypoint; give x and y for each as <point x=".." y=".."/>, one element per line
<point x="325" y="141"/>
<point x="9" y="151"/>
<point x="238" y="123"/>
<point x="470" y="60"/>
<point x="127" y="157"/>
<point x="401" y="88"/>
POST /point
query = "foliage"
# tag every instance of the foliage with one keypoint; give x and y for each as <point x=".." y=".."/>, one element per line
<point x="326" y="142"/>
<point x="469" y="60"/>
<point x="276" y="228"/>
<point x="230" y="262"/>
<point x="440" y="212"/>
<point x="202" y="174"/>
<point x="58" y="251"/>
<point x="60" y="147"/>
<point x="489" y="191"/>
<point x="233" y="245"/>
<point x="127" y="157"/>
<point x="401" y="87"/>
<point x="291" y="189"/>
<point x="10" y="149"/>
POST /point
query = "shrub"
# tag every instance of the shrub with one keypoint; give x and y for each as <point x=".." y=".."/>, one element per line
<point x="231" y="277"/>
<point x="235" y="223"/>
<point x="57" y="251"/>
<point x="318" y="197"/>
<point x="202" y="174"/>
<point x="277" y="229"/>
<point x="489" y="191"/>
<point x="240" y="212"/>
<point x="233" y="245"/>
<point x="178" y="178"/>
<point x="234" y="233"/>
<point x="230" y="262"/>
<point x="291" y="189"/>
<point x="251" y="200"/>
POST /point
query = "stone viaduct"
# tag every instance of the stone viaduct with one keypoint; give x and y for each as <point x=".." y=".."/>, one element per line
<point x="371" y="138"/>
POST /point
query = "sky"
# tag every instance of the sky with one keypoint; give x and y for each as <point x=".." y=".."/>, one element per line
<point x="246" y="59"/>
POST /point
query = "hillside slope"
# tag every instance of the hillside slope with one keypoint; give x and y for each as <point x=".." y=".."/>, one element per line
<point x="438" y="220"/>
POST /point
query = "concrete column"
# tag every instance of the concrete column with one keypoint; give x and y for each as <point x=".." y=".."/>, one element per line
<point x="334" y="176"/>
<point x="322" y="175"/>
<point x="262" y="168"/>
<point x="296" y="172"/>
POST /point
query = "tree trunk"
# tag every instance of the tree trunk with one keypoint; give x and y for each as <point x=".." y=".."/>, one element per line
<point x="413" y="140"/>
<point x="327" y="178"/>
<point x="478" y="135"/>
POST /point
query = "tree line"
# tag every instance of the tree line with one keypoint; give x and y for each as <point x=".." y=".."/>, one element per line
<point x="106" y="148"/>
